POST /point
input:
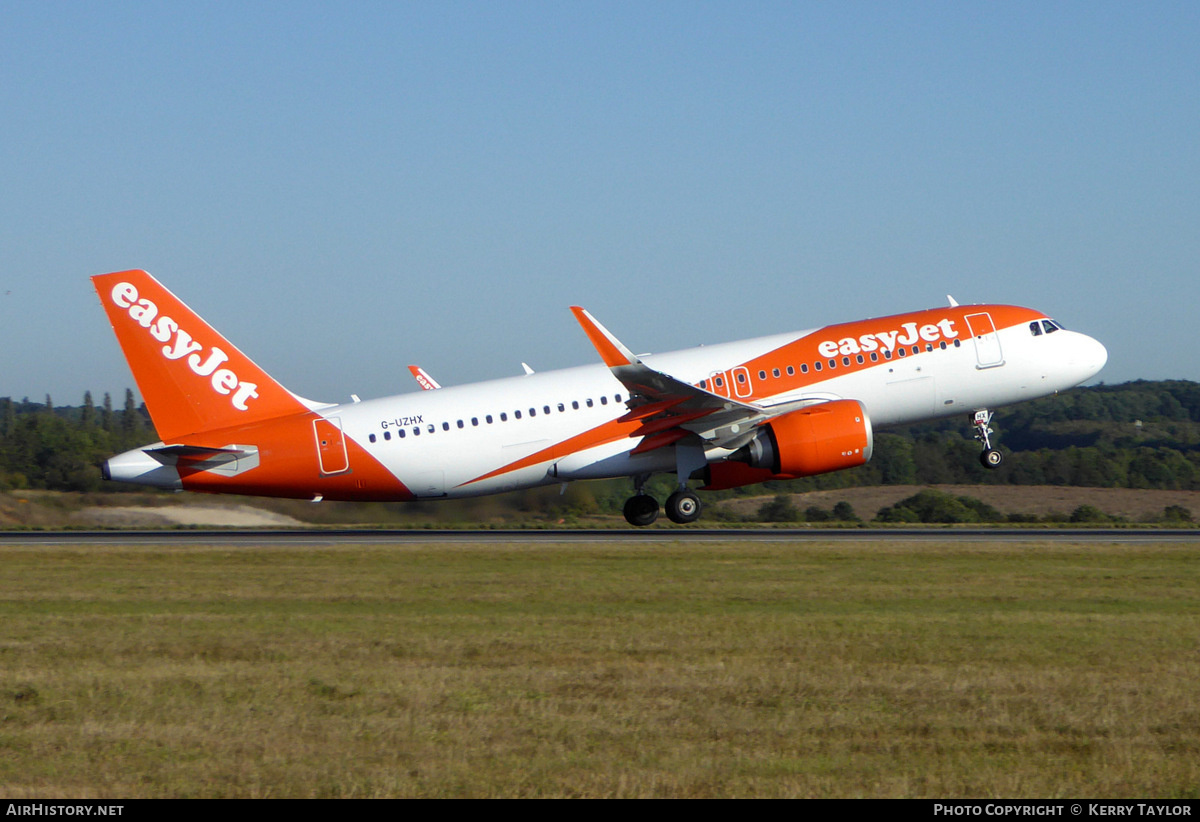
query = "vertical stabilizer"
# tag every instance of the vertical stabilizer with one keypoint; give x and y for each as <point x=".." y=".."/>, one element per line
<point x="191" y="377"/>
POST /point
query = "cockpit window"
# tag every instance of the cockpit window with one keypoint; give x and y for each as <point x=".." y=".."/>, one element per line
<point x="1035" y="328"/>
<point x="1050" y="325"/>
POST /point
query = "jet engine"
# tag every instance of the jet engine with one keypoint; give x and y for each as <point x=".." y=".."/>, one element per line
<point x="817" y="439"/>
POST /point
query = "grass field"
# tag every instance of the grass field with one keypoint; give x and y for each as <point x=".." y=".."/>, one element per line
<point x="848" y="669"/>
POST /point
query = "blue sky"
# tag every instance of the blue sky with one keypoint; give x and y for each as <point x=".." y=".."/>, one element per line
<point x="344" y="189"/>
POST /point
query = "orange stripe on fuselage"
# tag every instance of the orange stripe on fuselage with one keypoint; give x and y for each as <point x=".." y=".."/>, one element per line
<point x="864" y="337"/>
<point x="610" y="431"/>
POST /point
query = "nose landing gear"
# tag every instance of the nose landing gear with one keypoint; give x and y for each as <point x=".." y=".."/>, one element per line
<point x="990" y="457"/>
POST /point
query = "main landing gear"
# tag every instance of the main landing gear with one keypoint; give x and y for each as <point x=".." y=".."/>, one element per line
<point x="681" y="507"/>
<point x="990" y="457"/>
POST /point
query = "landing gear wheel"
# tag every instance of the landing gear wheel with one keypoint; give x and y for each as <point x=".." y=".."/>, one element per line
<point x="683" y="507"/>
<point x="991" y="458"/>
<point x="641" y="510"/>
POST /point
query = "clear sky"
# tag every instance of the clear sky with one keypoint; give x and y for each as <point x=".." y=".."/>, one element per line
<point x="346" y="188"/>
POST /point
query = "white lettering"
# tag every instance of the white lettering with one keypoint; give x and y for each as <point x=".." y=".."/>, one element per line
<point x="163" y="328"/>
<point x="184" y="345"/>
<point x="123" y="294"/>
<point x="145" y="313"/>
<point x="246" y="391"/>
<point x="224" y="381"/>
<point x="908" y="333"/>
<point x="888" y="338"/>
<point x="214" y="359"/>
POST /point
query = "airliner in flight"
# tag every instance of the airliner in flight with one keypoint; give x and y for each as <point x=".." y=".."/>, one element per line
<point x="727" y="415"/>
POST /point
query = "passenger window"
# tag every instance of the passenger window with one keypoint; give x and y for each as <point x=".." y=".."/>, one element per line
<point x="902" y="352"/>
<point x="516" y="415"/>
<point x="575" y="404"/>
<point x="489" y="419"/>
<point x="803" y="369"/>
<point x="942" y="345"/>
<point x="400" y="433"/>
<point x="617" y="397"/>
<point x="845" y="360"/>
<point x="503" y="416"/>
<point x="603" y="400"/>
<point x="792" y="371"/>
<point x="762" y="375"/>
<point x="561" y="407"/>
<point x="817" y="365"/>
<point x="833" y="363"/>
<point x="533" y="412"/>
<point x="371" y="437"/>
<point x="545" y="409"/>
<point x="874" y="356"/>
<point x="589" y="402"/>
<point x="775" y="373"/>
<point x="387" y="435"/>
<point x="416" y="431"/>
<point x="431" y="428"/>
<point x="475" y="421"/>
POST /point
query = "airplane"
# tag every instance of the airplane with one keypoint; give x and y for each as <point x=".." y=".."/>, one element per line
<point x="733" y="414"/>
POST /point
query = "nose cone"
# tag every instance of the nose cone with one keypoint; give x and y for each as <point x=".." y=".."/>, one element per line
<point x="1095" y="356"/>
<point x="1088" y="356"/>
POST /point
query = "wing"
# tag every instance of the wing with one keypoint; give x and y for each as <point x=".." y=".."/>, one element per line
<point x="668" y="408"/>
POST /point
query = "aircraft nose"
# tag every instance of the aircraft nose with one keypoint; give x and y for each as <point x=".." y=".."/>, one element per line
<point x="1091" y="355"/>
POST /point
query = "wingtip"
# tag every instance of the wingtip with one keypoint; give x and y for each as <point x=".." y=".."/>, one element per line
<point x="611" y="350"/>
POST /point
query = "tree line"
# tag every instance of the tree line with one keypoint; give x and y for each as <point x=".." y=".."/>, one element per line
<point x="1133" y="435"/>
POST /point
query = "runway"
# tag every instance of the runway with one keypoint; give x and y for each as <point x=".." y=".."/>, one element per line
<point x="359" y="536"/>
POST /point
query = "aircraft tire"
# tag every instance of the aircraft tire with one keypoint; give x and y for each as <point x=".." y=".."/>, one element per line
<point x="641" y="510"/>
<point x="991" y="458"/>
<point x="683" y="507"/>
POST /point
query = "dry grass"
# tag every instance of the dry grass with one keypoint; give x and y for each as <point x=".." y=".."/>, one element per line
<point x="683" y="670"/>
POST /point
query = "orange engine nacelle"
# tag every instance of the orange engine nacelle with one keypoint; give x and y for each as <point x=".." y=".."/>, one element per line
<point x="825" y="437"/>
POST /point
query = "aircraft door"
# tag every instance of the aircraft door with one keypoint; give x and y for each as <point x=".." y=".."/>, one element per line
<point x="331" y="446"/>
<point x="741" y="381"/>
<point x="987" y="341"/>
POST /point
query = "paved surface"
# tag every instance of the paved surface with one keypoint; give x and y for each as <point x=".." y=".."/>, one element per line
<point x="398" y="537"/>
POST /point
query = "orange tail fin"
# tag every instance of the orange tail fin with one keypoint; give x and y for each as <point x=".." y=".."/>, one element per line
<point x="191" y="377"/>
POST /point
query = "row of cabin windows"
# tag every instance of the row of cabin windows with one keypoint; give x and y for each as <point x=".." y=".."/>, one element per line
<point x="719" y="382"/>
<point x="488" y="419"/>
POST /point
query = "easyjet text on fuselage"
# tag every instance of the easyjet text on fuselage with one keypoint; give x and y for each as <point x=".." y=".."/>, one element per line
<point x="909" y="333"/>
